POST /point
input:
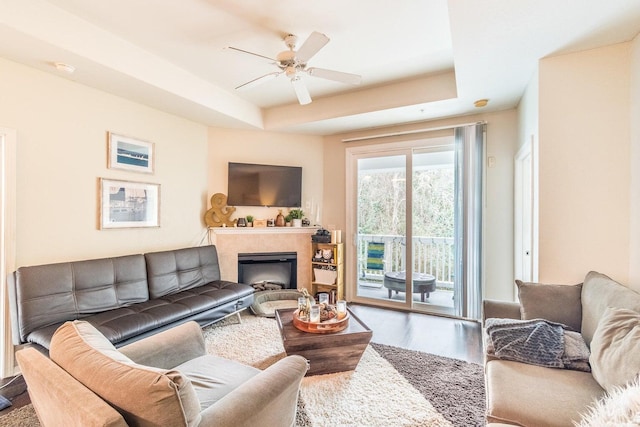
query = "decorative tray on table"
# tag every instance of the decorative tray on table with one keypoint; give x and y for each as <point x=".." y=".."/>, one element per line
<point x="330" y="325"/>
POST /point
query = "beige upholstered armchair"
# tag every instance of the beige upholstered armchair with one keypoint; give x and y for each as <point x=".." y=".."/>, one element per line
<point x="163" y="380"/>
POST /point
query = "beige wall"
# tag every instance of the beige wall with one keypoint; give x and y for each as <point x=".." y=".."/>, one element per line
<point x="634" y="253"/>
<point x="584" y="164"/>
<point x="62" y="152"/>
<point x="501" y="144"/>
<point x="231" y="145"/>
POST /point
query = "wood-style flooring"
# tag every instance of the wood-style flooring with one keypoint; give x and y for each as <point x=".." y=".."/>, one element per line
<point x="443" y="336"/>
<point x="454" y="338"/>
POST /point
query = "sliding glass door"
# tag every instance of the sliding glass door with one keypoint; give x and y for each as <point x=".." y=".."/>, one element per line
<point x="415" y="219"/>
<point x="405" y="228"/>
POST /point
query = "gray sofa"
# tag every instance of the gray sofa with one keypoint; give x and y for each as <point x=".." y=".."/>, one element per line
<point x="607" y="315"/>
<point x="126" y="298"/>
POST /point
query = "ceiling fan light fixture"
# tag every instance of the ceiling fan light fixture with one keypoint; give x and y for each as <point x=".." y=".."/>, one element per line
<point x="291" y="72"/>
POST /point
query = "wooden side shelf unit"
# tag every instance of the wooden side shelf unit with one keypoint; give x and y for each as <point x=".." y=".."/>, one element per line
<point x="327" y="270"/>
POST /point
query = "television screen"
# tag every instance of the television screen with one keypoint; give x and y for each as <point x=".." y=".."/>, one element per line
<point x="264" y="185"/>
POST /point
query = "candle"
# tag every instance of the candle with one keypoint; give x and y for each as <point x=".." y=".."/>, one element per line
<point x="323" y="298"/>
<point x="314" y="315"/>
<point x="341" y="307"/>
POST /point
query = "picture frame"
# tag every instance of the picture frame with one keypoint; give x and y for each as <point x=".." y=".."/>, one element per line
<point x="128" y="204"/>
<point x="130" y="153"/>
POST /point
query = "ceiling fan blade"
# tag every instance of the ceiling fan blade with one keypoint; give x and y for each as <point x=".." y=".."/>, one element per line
<point x="311" y="46"/>
<point x="249" y="53"/>
<point x="260" y="80"/>
<point x="338" y="76"/>
<point x="301" y="91"/>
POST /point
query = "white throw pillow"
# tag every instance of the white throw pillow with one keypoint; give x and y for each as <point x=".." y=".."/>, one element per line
<point x="615" y="348"/>
<point x="620" y="407"/>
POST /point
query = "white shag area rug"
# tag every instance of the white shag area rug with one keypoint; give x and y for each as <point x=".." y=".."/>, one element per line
<point x="375" y="394"/>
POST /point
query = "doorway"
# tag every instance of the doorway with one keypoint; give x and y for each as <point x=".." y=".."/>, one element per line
<point x="414" y="210"/>
<point x="7" y="241"/>
<point x="407" y="219"/>
<point x="525" y="214"/>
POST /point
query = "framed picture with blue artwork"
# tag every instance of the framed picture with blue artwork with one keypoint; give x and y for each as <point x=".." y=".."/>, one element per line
<point x="130" y="153"/>
<point x="127" y="204"/>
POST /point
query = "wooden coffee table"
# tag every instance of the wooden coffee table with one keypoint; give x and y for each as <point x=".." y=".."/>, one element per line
<point x="326" y="353"/>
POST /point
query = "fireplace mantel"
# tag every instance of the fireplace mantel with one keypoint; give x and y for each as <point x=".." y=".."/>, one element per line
<point x="262" y="230"/>
<point x="230" y="241"/>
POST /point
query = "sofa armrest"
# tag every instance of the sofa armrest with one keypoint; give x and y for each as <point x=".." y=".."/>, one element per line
<point x="169" y="348"/>
<point x="269" y="398"/>
<point x="59" y="399"/>
<point x="500" y="309"/>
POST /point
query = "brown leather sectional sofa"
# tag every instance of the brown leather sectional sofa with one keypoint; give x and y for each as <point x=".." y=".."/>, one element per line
<point x="126" y="298"/>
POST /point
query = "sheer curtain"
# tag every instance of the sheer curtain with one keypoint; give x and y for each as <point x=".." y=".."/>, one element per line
<point x="469" y="161"/>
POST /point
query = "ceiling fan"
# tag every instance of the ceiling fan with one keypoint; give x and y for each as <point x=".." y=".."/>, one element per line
<point x="293" y="63"/>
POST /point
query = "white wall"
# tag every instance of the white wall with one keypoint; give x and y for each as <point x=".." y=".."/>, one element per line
<point x="231" y="145"/>
<point x="584" y="164"/>
<point x="528" y="112"/>
<point x="62" y="153"/>
<point x="634" y="233"/>
<point x="502" y="135"/>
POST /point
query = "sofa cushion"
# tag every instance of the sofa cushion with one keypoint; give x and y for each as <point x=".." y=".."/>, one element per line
<point x="51" y="294"/>
<point x="529" y="395"/>
<point x="557" y="303"/>
<point x="598" y="293"/>
<point x="145" y="396"/>
<point x="180" y="269"/>
<point x="615" y="348"/>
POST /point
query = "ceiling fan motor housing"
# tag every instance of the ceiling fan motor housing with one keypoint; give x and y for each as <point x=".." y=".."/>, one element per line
<point x="286" y="58"/>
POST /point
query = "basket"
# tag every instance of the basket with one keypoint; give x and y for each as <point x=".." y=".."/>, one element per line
<point x="325" y="277"/>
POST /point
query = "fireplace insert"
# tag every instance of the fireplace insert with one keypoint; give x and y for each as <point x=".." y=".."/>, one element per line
<point x="276" y="268"/>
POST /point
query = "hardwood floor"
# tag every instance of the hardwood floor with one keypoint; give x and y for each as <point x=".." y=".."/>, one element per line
<point x="454" y="338"/>
<point x="443" y="336"/>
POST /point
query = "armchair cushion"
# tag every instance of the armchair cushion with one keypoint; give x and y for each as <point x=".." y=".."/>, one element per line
<point x="557" y="303"/>
<point x="145" y="396"/>
<point x="215" y="377"/>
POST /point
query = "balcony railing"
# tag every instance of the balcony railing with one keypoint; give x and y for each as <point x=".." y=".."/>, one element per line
<point x="432" y="255"/>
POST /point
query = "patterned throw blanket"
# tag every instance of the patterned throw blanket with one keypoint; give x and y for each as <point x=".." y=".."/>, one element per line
<point x="537" y="342"/>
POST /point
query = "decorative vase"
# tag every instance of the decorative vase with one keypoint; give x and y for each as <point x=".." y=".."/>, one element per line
<point x="280" y="219"/>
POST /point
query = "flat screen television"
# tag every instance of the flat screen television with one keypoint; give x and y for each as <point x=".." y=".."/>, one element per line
<point x="264" y="185"/>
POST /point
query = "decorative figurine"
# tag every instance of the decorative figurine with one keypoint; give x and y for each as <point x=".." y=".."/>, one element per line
<point x="218" y="215"/>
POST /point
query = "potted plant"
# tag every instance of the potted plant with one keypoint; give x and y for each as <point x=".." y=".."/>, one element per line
<point x="249" y="220"/>
<point x="296" y="217"/>
<point x="287" y="220"/>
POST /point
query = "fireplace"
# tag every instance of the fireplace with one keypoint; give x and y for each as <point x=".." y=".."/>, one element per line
<point x="270" y="270"/>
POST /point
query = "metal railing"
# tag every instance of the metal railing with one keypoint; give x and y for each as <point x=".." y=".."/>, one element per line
<point x="432" y="255"/>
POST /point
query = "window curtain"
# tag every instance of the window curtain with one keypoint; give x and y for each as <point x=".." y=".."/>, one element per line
<point x="469" y="161"/>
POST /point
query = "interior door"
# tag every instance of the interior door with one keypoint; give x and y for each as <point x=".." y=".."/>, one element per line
<point x="523" y="235"/>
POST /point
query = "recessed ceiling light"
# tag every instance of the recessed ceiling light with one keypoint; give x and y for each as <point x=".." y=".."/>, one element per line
<point x="481" y="103"/>
<point x="61" y="66"/>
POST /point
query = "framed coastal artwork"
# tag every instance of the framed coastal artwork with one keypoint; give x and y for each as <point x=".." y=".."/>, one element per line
<point x="127" y="204"/>
<point x="130" y="154"/>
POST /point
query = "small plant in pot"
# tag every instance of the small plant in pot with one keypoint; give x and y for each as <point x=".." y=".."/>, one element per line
<point x="296" y="217"/>
<point x="287" y="220"/>
<point x="249" y="220"/>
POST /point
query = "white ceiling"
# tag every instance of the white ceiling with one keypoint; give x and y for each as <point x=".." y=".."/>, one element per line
<point x="419" y="59"/>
